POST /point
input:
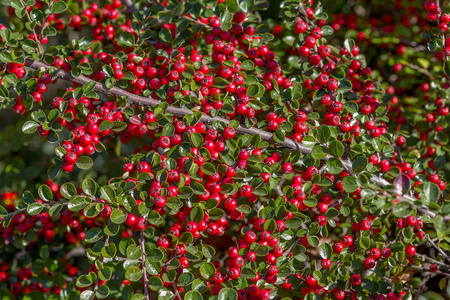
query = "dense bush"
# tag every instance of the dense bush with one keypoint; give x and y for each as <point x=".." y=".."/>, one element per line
<point x="237" y="149"/>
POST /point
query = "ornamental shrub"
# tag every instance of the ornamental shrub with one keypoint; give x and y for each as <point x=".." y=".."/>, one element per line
<point x="238" y="149"/>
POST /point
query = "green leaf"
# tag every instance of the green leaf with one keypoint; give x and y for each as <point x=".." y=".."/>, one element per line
<point x="3" y="212"/>
<point x="59" y="7"/>
<point x="196" y="139"/>
<point x="155" y="255"/>
<point x="108" y="194"/>
<point x="446" y="67"/>
<point x="334" y="165"/>
<point x="165" y="35"/>
<point x="84" y="162"/>
<point x="248" y="273"/>
<point x="350" y="184"/>
<point x="76" y="204"/>
<point x="198" y="188"/>
<point x="134" y="252"/>
<point x="313" y="240"/>
<point x="105" y="125"/>
<point x="118" y="216"/>
<point x="208" y="251"/>
<point x="431" y="192"/>
<point x="336" y="148"/>
<point x="185" y="279"/>
<point x="325" y="250"/>
<point x="430" y="295"/>
<point x="30" y="127"/>
<point x="279" y="136"/>
<point x="68" y="190"/>
<point x="93" y="235"/>
<point x="227" y="294"/>
<point x="197" y="214"/>
<point x="349" y="44"/>
<point x="89" y="187"/>
<point x="323" y="134"/>
<point x="207" y="270"/>
<point x="7" y="295"/>
<point x="133" y="273"/>
<point x="28" y="197"/>
<point x="402" y="209"/>
<point x="319" y="152"/>
<point x="155" y="283"/>
<point x="193" y="295"/>
<point x="5" y="57"/>
<point x="35" y="208"/>
<point x="45" y="193"/>
<point x="87" y="295"/>
<point x="168" y="130"/>
<point x="102" y="292"/>
<point x="359" y="164"/>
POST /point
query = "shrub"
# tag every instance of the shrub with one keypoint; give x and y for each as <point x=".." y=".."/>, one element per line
<point x="232" y="150"/>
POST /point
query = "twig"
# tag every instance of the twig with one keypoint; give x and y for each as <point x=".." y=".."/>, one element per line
<point x="428" y="270"/>
<point x="12" y="214"/>
<point x="438" y="248"/>
<point x="196" y="21"/>
<point x="417" y="47"/>
<point x="101" y="259"/>
<point x="176" y="291"/>
<point x="421" y="70"/>
<point x="34" y="31"/>
<point x="144" y="270"/>
<point x="130" y="6"/>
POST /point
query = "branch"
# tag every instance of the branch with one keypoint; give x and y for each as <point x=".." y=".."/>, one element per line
<point x="130" y="6"/>
<point x="144" y="270"/>
<point x="12" y="214"/>
<point x="438" y="248"/>
<point x="428" y="270"/>
<point x="417" y="47"/>
<point x="175" y="289"/>
<point x="178" y="111"/>
<point x="430" y="260"/>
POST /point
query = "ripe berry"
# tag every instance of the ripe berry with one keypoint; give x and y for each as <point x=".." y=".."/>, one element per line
<point x="325" y="263"/>
<point x="355" y="279"/>
<point x="410" y="250"/>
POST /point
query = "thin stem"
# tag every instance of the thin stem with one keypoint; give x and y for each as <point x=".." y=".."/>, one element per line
<point x="144" y="270"/>
<point x="34" y="31"/>
<point x="44" y="25"/>
<point x="438" y="248"/>
<point x="427" y="270"/>
<point x="12" y="214"/>
<point x="196" y="21"/>
<point x="417" y="47"/>
<point x="97" y="280"/>
<point x="437" y="262"/>
<point x="176" y="291"/>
